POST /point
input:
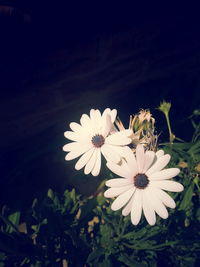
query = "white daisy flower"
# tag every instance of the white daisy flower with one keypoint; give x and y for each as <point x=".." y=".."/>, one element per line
<point x="141" y="186"/>
<point x="92" y="137"/>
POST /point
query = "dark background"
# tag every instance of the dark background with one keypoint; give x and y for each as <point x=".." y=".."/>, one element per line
<point x="59" y="60"/>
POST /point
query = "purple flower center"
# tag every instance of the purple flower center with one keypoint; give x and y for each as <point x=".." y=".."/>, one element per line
<point x="140" y="181"/>
<point x="98" y="140"/>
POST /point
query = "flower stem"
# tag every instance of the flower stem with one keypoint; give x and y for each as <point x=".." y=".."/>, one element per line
<point x="171" y="135"/>
<point x="165" y="108"/>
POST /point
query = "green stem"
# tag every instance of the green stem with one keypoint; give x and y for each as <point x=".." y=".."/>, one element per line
<point x="196" y="183"/>
<point x="171" y="135"/>
<point x="99" y="188"/>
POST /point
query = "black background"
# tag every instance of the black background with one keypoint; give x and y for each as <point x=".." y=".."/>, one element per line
<point x="59" y="59"/>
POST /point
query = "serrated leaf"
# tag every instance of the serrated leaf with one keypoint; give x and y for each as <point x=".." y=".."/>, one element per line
<point x="135" y="235"/>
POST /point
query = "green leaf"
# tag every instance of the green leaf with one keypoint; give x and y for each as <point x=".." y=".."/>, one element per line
<point x="53" y="197"/>
<point x="73" y="195"/>
<point x="124" y="258"/>
<point x="135" y="235"/>
<point x="50" y="194"/>
<point x="14" y="218"/>
<point x="45" y="221"/>
<point x="95" y="255"/>
<point x="187" y="198"/>
<point x="35" y="227"/>
<point x="101" y="200"/>
<point x="14" y="221"/>
<point x="106" y="263"/>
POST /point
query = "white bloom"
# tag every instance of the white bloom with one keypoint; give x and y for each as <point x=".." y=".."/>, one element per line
<point x="92" y="137"/>
<point x="141" y="186"/>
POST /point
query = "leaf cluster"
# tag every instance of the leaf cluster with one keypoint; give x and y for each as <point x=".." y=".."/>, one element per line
<point x="72" y="230"/>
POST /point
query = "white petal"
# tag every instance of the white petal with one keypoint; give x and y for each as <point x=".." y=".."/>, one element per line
<point x="127" y="132"/>
<point x="82" y="148"/>
<point x="148" y="160"/>
<point x="91" y="163"/>
<point x="119" y="138"/>
<point x="119" y="170"/>
<point x="148" y="210"/>
<point x="136" y="210"/>
<point x="88" y="125"/>
<point x="97" y="116"/>
<point x="113" y="129"/>
<point x="164" y="174"/>
<point x="92" y="115"/>
<point x="116" y="191"/>
<point x="106" y="125"/>
<point x="110" y="154"/>
<point x="168" y="185"/>
<point x="85" y="121"/>
<point x="118" y="150"/>
<point x="97" y="166"/>
<point x="97" y="121"/>
<point x="121" y="200"/>
<point x="79" y="132"/>
<point x="107" y="111"/>
<point x="159" y="153"/>
<point x="140" y="157"/>
<point x="76" y="127"/>
<point x="127" y="209"/>
<point x="76" y="146"/>
<point x="156" y="203"/>
<point x="125" y="166"/>
<point x="113" y="115"/>
<point x="118" y="182"/>
<point x="84" y="159"/>
<point x="71" y="146"/>
<point x="164" y="197"/>
<point x="159" y="164"/>
<point x="131" y="161"/>
<point x="94" y="127"/>
<point x="72" y="135"/>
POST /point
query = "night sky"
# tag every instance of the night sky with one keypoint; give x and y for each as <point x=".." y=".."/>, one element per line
<point x="57" y="61"/>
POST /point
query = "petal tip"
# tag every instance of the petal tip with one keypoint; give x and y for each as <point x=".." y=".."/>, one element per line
<point x="106" y="194"/>
<point x="67" y="158"/>
<point x="181" y="188"/>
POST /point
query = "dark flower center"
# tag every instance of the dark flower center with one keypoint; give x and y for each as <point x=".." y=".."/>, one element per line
<point x="98" y="140"/>
<point x="140" y="181"/>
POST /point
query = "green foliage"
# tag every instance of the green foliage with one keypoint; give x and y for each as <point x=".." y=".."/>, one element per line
<point x="86" y="232"/>
<point x="52" y="233"/>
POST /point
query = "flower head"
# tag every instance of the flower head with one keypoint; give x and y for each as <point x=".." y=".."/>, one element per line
<point x="165" y="107"/>
<point x="143" y="128"/>
<point x="141" y="186"/>
<point x="92" y="137"/>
